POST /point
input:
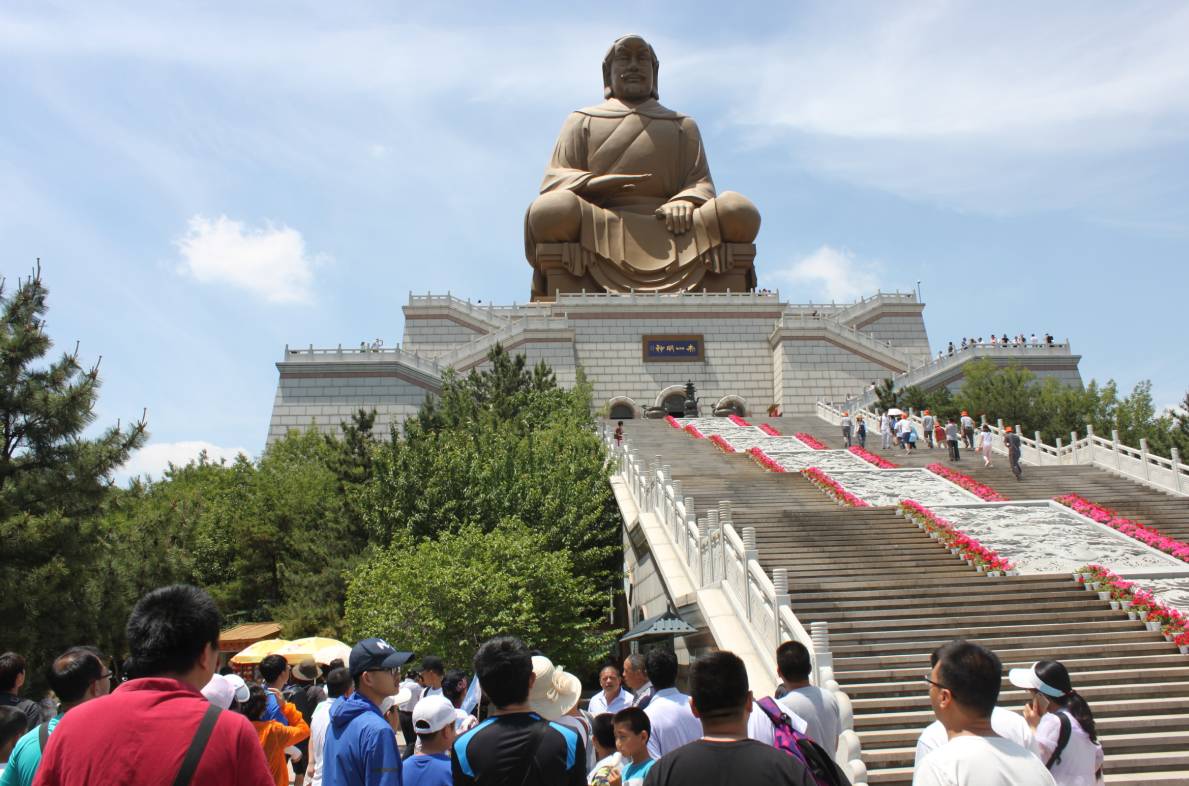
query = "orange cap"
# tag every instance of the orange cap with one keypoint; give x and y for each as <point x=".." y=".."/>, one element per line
<point x="964" y="412"/>
<point x="1007" y="428"/>
<point x="926" y="412"/>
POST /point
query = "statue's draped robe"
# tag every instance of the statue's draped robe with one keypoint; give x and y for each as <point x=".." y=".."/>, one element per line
<point x="624" y="245"/>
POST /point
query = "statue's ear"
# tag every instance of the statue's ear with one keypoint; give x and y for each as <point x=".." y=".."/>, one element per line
<point x="607" y="91"/>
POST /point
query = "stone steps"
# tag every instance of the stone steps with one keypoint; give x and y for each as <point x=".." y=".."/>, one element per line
<point x="891" y="595"/>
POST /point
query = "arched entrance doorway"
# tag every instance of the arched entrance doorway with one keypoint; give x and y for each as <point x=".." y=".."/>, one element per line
<point x="622" y="408"/>
<point x="672" y="400"/>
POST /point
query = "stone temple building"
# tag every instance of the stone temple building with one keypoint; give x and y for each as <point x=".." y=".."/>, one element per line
<point x="743" y="351"/>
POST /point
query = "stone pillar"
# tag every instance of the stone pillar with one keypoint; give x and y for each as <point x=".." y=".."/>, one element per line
<point x="780" y="581"/>
<point x="1039" y="451"/>
<point x="1176" y="469"/>
<point x="1115" y="447"/>
<point x="1073" y="446"/>
<point x="1143" y="452"/>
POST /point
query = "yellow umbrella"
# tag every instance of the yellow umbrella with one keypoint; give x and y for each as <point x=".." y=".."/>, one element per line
<point x="323" y="650"/>
<point x="253" y="654"/>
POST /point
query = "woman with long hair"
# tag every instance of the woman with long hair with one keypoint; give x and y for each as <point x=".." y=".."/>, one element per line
<point x="274" y="736"/>
<point x="1062" y="722"/>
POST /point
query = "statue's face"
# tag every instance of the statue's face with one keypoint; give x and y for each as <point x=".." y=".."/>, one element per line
<point x="631" y="70"/>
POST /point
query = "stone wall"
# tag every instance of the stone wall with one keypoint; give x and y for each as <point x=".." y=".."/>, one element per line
<point x="437" y="335"/>
<point x="819" y="370"/>
<point x="905" y="331"/>
<point x="326" y="397"/>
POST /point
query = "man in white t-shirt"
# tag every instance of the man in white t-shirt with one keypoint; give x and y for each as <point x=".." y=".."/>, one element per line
<point x="612" y="698"/>
<point x="1007" y="724"/>
<point x="963" y="689"/>
<point x="813" y="707"/>
<point x="338" y="684"/>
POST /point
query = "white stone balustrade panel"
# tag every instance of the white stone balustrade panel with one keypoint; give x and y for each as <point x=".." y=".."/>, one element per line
<point x="829" y="461"/>
<point x="1046" y="537"/>
<point x="891" y="486"/>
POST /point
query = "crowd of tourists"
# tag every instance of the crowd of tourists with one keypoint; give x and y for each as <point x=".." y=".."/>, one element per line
<point x="1018" y="340"/>
<point x="900" y="432"/>
<point x="176" y="720"/>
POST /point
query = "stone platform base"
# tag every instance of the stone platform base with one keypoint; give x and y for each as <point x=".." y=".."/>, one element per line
<point x="563" y="269"/>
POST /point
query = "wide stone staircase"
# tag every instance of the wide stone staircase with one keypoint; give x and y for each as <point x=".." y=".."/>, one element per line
<point x="891" y="595"/>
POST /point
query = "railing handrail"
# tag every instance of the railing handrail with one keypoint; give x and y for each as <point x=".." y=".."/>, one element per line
<point x="365" y="353"/>
<point x="833" y="325"/>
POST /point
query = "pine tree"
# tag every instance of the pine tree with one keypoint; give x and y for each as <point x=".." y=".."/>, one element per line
<point x="53" y="483"/>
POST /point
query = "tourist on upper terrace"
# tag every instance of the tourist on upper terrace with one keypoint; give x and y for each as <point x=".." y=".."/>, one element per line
<point x="964" y="684"/>
<point x="1013" y="445"/>
<point x="635" y="676"/>
<point x="612" y="698"/>
<point x="12" y="679"/>
<point x="139" y="735"/>
<point x="984" y="445"/>
<point x="1065" y="732"/>
<point x="724" y="755"/>
<point x="951" y="438"/>
<point x="514" y="746"/>
<point x="673" y="724"/>
<point x="847" y="425"/>
<point x="813" y="711"/>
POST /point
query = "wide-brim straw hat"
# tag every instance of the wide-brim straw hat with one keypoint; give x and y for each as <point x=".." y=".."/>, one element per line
<point x="555" y="691"/>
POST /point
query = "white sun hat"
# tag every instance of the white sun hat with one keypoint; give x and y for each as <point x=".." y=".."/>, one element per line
<point x="1030" y="680"/>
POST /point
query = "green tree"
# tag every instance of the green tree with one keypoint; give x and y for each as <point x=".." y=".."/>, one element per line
<point x="886" y="396"/>
<point x="449" y="594"/>
<point x="54" y="483"/>
<point x="998" y="392"/>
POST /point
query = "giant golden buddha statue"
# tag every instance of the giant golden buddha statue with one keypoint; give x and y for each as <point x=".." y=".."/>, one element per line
<point x="627" y="202"/>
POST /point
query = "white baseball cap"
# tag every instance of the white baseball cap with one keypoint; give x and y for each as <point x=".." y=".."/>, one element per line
<point x="242" y="691"/>
<point x="222" y="690"/>
<point x="431" y="714"/>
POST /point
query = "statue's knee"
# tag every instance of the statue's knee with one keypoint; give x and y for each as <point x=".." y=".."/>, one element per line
<point x="738" y="218"/>
<point x="556" y="217"/>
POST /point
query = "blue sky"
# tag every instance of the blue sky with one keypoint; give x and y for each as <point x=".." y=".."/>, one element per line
<point x="206" y="182"/>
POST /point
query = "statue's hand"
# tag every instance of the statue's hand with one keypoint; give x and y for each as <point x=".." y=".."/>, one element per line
<point x="678" y="216"/>
<point x="603" y="185"/>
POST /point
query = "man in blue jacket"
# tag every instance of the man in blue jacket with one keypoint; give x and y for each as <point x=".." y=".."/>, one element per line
<point x="360" y="745"/>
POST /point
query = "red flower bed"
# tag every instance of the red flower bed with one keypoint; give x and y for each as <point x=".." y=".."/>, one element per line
<point x="832" y="487"/>
<point x="965" y="481"/>
<point x="672" y="421"/>
<point x="738" y="421"/>
<point x="809" y="440"/>
<point x="953" y="538"/>
<point x="693" y="431"/>
<point x="766" y="461"/>
<point x="1173" y="623"/>
<point x="871" y="458"/>
<point x="764" y="427"/>
<point x="1141" y="532"/>
<point x="721" y="443"/>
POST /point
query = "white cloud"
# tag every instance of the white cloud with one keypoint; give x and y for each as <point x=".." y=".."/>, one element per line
<point x="155" y="458"/>
<point x="268" y="261"/>
<point x="831" y="274"/>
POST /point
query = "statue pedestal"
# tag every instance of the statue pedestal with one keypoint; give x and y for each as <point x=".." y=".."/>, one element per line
<point x="561" y="269"/>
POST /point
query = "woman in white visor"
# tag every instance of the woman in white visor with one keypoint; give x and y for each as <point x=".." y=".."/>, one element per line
<point x="1062" y="722"/>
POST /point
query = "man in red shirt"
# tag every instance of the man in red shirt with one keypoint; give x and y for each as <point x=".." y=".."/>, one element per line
<point x="140" y="734"/>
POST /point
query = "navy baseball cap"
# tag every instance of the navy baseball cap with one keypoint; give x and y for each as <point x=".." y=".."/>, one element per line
<point x="376" y="654"/>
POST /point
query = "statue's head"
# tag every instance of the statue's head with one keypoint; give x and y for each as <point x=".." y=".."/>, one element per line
<point x="630" y="70"/>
